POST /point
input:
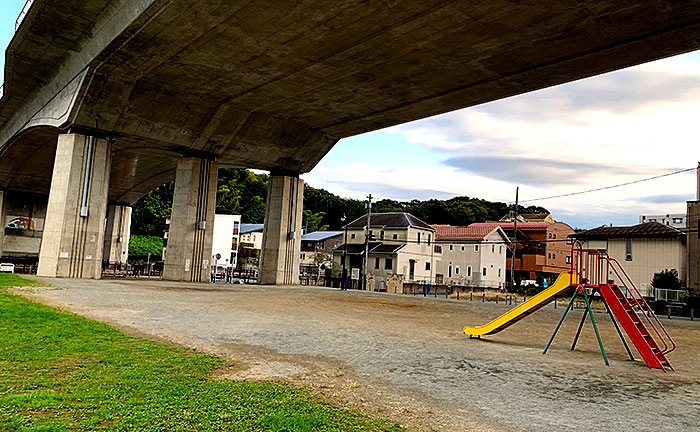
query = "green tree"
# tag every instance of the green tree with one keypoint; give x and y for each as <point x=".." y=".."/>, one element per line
<point x="148" y="213"/>
<point x="312" y="221"/>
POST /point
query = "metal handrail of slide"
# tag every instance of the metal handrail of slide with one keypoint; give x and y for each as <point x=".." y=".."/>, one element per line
<point x="648" y="310"/>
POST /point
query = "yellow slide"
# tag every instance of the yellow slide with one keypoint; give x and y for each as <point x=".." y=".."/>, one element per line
<point x="563" y="284"/>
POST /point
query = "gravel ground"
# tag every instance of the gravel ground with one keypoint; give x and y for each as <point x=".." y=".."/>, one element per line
<point x="405" y="357"/>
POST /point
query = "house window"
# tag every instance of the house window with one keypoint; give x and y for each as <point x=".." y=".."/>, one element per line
<point x="381" y="234"/>
<point x="554" y="235"/>
<point x="476" y="248"/>
<point x="677" y="220"/>
<point x="469" y="271"/>
<point x="499" y="272"/>
<point x="395" y="236"/>
<point x="500" y="250"/>
<point x="429" y="238"/>
<point x="483" y="271"/>
<point x="352" y="236"/>
<point x="418" y="238"/>
<point x="554" y="256"/>
<point x="449" y="270"/>
<point x="388" y="263"/>
<point x="438" y="249"/>
<point x="628" y="252"/>
<point x="549" y="235"/>
<point x="456" y="270"/>
<point x="652" y="220"/>
<point x="450" y="247"/>
<point x="376" y="263"/>
<point x="303" y="256"/>
<point x="371" y="235"/>
<point x="462" y="248"/>
<point x="568" y="259"/>
<point x="493" y="248"/>
<point x="549" y="255"/>
<point x="427" y="266"/>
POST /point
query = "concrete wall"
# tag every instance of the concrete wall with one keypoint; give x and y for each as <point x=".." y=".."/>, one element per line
<point x="693" y="243"/>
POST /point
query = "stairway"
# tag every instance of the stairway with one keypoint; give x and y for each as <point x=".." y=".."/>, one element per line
<point x="624" y="311"/>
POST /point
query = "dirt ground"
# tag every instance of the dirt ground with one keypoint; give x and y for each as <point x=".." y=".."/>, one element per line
<point x="405" y="358"/>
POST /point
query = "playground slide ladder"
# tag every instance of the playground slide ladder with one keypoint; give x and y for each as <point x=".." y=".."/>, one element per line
<point x="626" y="315"/>
<point x="628" y="308"/>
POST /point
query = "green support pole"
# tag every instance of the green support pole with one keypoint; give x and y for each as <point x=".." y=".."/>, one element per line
<point x="578" y="332"/>
<point x="595" y="327"/>
<point x="551" y="339"/>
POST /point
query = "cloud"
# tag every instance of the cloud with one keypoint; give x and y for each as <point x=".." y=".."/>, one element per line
<point x="667" y="198"/>
<point x="539" y="172"/>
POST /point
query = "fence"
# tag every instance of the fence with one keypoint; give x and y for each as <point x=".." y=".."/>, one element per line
<point x="668" y="295"/>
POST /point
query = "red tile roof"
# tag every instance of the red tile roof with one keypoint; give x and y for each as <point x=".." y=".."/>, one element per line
<point x="471" y="232"/>
<point x="522" y="226"/>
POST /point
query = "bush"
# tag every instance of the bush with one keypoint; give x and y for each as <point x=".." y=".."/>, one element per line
<point x="666" y="279"/>
<point x="692" y="299"/>
<point x="142" y="245"/>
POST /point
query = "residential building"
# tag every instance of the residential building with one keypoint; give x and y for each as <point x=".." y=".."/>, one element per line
<point x="473" y="255"/>
<point x="529" y="217"/>
<point x="317" y="250"/>
<point x="400" y="249"/>
<point x="542" y="249"/>
<point x="693" y="245"/>
<point x="675" y="220"/>
<point x="251" y="235"/>
<point x="641" y="250"/>
<point x="225" y="240"/>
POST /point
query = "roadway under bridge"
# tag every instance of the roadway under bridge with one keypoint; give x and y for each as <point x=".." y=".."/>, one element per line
<point x="105" y="100"/>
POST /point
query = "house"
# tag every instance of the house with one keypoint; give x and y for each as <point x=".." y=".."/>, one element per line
<point x="473" y="255"/>
<point x="251" y="235"/>
<point x="642" y="250"/>
<point x="225" y="240"/>
<point x="317" y="250"/>
<point x="542" y="248"/>
<point x="529" y="217"/>
<point x="400" y="249"/>
<point x="675" y="220"/>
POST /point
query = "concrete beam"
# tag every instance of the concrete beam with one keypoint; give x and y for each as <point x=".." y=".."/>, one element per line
<point x="282" y="234"/>
<point x="73" y="238"/>
<point x="191" y="232"/>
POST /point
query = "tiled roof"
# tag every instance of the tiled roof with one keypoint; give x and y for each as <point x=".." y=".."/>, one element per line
<point x="471" y="232"/>
<point x="389" y="220"/>
<point x="648" y="229"/>
<point x="320" y="235"/>
<point x="522" y="226"/>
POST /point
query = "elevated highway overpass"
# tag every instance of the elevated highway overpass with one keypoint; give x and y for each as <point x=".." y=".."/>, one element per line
<point x="148" y="88"/>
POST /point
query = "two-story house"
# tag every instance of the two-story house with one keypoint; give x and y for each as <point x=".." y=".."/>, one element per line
<point x="473" y="255"/>
<point x="400" y="248"/>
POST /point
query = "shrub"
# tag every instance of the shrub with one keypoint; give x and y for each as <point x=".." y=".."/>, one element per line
<point x="142" y="245"/>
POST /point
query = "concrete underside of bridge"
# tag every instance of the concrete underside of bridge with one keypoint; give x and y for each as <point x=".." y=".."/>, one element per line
<point x="275" y="84"/>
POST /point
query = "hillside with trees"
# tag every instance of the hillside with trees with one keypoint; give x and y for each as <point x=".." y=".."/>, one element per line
<point x="244" y="192"/>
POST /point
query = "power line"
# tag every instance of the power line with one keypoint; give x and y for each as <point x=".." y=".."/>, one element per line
<point x="609" y="187"/>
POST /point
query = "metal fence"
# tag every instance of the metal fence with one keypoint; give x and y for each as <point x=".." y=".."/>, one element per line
<point x="668" y="295"/>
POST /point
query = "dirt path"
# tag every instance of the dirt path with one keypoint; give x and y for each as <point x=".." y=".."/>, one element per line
<point x="404" y="357"/>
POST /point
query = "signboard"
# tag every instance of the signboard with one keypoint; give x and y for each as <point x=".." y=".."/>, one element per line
<point x="355" y="274"/>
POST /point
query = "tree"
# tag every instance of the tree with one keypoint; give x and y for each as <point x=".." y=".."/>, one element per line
<point x="312" y="221"/>
<point x="148" y="213"/>
<point x="666" y="279"/>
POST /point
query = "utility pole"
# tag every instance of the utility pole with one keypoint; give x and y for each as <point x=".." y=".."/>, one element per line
<point x="515" y="241"/>
<point x="345" y="250"/>
<point x="369" y="216"/>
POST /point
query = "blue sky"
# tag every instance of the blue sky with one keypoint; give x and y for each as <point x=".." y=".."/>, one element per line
<point x="610" y="129"/>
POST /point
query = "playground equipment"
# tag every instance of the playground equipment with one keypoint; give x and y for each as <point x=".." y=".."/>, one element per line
<point x="589" y="275"/>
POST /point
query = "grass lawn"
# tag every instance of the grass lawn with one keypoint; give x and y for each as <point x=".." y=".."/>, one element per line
<point x="59" y="371"/>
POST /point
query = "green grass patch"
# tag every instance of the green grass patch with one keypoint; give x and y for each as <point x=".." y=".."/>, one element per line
<point x="61" y="372"/>
<point x="13" y="280"/>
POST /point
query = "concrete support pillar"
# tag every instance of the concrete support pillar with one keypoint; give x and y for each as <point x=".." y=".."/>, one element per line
<point x="73" y="235"/>
<point x="117" y="234"/>
<point x="192" y="221"/>
<point x="281" y="250"/>
<point x="693" y="245"/>
<point x="3" y="198"/>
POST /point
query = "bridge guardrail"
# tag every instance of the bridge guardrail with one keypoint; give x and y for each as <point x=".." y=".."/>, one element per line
<point x="23" y="13"/>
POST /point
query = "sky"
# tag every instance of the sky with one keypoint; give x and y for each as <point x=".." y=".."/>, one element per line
<point x="614" y="128"/>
